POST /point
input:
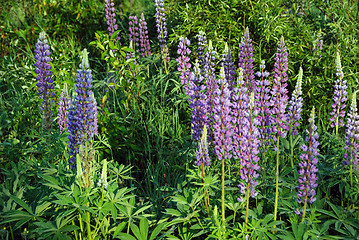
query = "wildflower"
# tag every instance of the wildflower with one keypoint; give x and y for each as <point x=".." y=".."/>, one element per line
<point x="202" y="47"/>
<point x="111" y="19"/>
<point x="183" y="61"/>
<point x="339" y="99"/>
<point x="144" y="42"/>
<point x="246" y="59"/>
<point x="228" y="65"/>
<point x="202" y="152"/>
<point x="162" y="29"/>
<point x="133" y="31"/>
<point x="64" y="106"/>
<point x="295" y="105"/>
<point x="45" y="82"/>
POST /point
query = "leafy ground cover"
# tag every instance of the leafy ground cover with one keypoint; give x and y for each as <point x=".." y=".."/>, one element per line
<point x="179" y="119"/>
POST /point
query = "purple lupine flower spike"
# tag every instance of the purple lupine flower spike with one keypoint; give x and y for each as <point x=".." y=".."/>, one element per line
<point x="202" y="47"/>
<point x="228" y="64"/>
<point x="210" y="78"/>
<point x="262" y="102"/>
<point x="162" y="29"/>
<point x="246" y="59"/>
<point x="318" y="45"/>
<point x="222" y="120"/>
<point x="352" y="135"/>
<point x="249" y="148"/>
<point x="111" y="19"/>
<point x="308" y="166"/>
<point x="183" y="61"/>
<point x="82" y="119"/>
<point x="240" y="102"/>
<point x="295" y="105"/>
<point x="63" y="110"/>
<point x="198" y="104"/>
<point x="45" y="82"/>
<point x="144" y="42"/>
<point x="339" y="99"/>
<point x="202" y="152"/>
<point x="279" y="91"/>
<point x="133" y="31"/>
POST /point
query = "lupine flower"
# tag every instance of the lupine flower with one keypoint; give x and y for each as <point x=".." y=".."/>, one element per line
<point x="279" y="91"/>
<point x="318" y="45"/>
<point x="210" y="78"/>
<point x="111" y="19"/>
<point x="228" y="65"/>
<point x="249" y="147"/>
<point x="239" y="111"/>
<point x="103" y="180"/>
<point x="222" y="122"/>
<point x="162" y="29"/>
<point x="82" y="120"/>
<point x="63" y="110"/>
<point x="133" y="31"/>
<point x="352" y="135"/>
<point x="183" y="61"/>
<point x="308" y="170"/>
<point x="144" y="42"/>
<point x="295" y="105"/>
<point x="202" y="46"/>
<point x="202" y="152"/>
<point x="45" y="82"/>
<point x="339" y="99"/>
<point x="246" y="59"/>
<point x="262" y="102"/>
<point x="197" y="99"/>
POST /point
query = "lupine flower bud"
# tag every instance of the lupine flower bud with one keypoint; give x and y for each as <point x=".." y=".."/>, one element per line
<point x="352" y="136"/>
<point x="308" y="166"/>
<point x="111" y="19"/>
<point x="339" y="99"/>
<point x="202" y="152"/>
<point x="63" y="110"/>
<point x="45" y="82"/>
<point x="246" y="59"/>
<point x="295" y="105"/>
<point x="144" y="42"/>
<point x="222" y="122"/>
<point x="162" y="29"/>
<point x="249" y="147"/>
<point x="202" y="47"/>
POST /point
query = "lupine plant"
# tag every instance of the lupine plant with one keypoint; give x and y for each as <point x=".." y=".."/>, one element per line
<point x="111" y="19"/>
<point x="202" y="47"/>
<point x="294" y="111"/>
<point x="351" y="138"/>
<point x="162" y="31"/>
<point x="222" y="126"/>
<point x="339" y="98"/>
<point x="63" y="109"/>
<point x="144" y="41"/>
<point x="246" y="59"/>
<point x="183" y="61"/>
<point x="279" y="102"/>
<point x="44" y="78"/>
<point x="308" y="166"/>
<point x="133" y="31"/>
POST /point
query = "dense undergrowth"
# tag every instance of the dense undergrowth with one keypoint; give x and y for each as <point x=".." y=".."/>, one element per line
<point x="141" y="176"/>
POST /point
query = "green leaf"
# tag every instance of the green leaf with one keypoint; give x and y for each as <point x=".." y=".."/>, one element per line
<point x="22" y="204"/>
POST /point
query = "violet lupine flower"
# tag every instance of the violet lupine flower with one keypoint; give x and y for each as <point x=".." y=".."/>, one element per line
<point x="318" y="45"/>
<point x="144" y="42"/>
<point x="352" y="136"/>
<point x="279" y="91"/>
<point x="111" y="19"/>
<point x="249" y="149"/>
<point x="222" y="121"/>
<point x="202" y="152"/>
<point x="262" y="102"/>
<point x="202" y="47"/>
<point x="162" y="29"/>
<point x="239" y="111"/>
<point x="210" y="78"/>
<point x="82" y="119"/>
<point x="246" y="59"/>
<point x="339" y="99"/>
<point x="133" y="31"/>
<point x="45" y="82"/>
<point x="63" y="110"/>
<point x="183" y="61"/>
<point x="295" y="105"/>
<point x="228" y="64"/>
<point x="308" y="169"/>
<point x="198" y="104"/>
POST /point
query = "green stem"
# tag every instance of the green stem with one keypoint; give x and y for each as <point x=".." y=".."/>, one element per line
<point x="88" y="223"/>
<point x="276" y="182"/>
<point x="291" y="149"/>
<point x="247" y="205"/>
<point x="304" y="209"/>
<point x="223" y="209"/>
